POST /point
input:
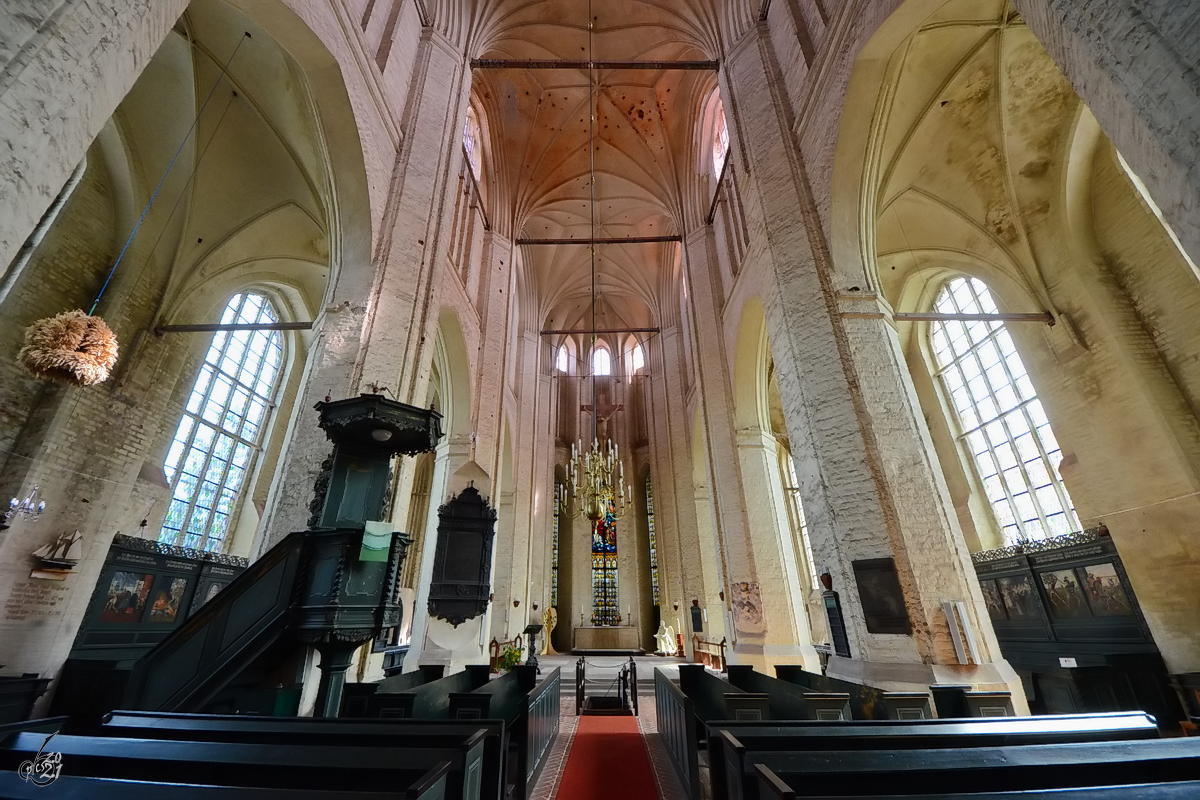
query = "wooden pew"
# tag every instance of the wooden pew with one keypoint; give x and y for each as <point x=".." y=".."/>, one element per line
<point x="323" y="768"/>
<point x="1023" y="768"/>
<point x="784" y="700"/>
<point x="530" y="712"/>
<point x="475" y="773"/>
<point x="676" y="715"/>
<point x="360" y="699"/>
<point x="428" y="700"/>
<point x="734" y="746"/>
<point x="772" y="787"/>
<point x="76" y="787"/>
<point x="866" y="702"/>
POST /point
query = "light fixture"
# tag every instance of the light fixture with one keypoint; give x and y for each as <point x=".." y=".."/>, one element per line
<point x="381" y="434"/>
<point x="595" y="477"/>
<point x="30" y="508"/>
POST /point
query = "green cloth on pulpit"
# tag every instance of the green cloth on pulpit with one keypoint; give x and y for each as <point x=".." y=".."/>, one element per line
<point x="376" y="541"/>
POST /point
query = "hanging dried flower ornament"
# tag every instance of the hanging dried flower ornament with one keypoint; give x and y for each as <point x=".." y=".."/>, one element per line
<point x="72" y="348"/>
<point x="78" y="348"/>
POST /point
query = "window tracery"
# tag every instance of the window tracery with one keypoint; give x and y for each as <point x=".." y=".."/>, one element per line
<point x="1000" y="420"/>
<point x="221" y="430"/>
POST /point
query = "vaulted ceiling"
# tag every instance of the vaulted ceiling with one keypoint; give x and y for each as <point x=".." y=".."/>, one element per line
<point x="539" y="123"/>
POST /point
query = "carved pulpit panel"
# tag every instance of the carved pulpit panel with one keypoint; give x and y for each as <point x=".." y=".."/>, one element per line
<point x="463" y="560"/>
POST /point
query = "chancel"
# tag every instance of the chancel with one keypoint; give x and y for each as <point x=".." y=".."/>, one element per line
<point x="796" y="376"/>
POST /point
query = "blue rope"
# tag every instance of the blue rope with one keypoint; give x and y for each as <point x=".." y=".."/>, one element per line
<point x="163" y="179"/>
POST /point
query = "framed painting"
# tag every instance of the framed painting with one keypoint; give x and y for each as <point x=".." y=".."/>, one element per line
<point x="1064" y="594"/>
<point x="993" y="600"/>
<point x="1104" y="591"/>
<point x="126" y="596"/>
<point x="881" y="596"/>
<point x="168" y="597"/>
<point x="1018" y="596"/>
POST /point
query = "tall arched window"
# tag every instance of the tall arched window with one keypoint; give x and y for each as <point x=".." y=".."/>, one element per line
<point x="222" y="427"/>
<point x="637" y="358"/>
<point x="562" y="360"/>
<point x="472" y="133"/>
<point x="1000" y="419"/>
<point x="720" y="141"/>
<point x="601" y="361"/>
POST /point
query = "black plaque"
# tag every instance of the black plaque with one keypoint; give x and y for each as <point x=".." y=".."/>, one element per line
<point x="463" y="560"/>
<point x="837" y="623"/>
<point x="881" y="597"/>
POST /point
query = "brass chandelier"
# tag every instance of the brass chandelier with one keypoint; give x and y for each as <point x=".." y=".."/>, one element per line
<point x="595" y="477"/>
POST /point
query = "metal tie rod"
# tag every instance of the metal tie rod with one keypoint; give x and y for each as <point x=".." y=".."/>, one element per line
<point x="213" y="327"/>
<point x="609" y="240"/>
<point x="596" y="331"/>
<point x="531" y="63"/>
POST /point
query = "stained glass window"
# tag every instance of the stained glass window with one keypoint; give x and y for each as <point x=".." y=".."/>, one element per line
<point x="653" y="541"/>
<point x="605" y="609"/>
<point x="222" y="427"/>
<point x="1000" y="419"/>
<point x="554" y="545"/>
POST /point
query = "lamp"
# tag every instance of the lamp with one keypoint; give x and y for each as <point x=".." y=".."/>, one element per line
<point x="30" y="508"/>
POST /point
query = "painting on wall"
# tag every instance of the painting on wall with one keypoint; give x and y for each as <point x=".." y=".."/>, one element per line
<point x="993" y="600"/>
<point x="167" y="600"/>
<point x="1019" y="600"/>
<point x="126" y="597"/>
<point x="1105" y="592"/>
<point x="1064" y="594"/>
<point x="748" y="608"/>
<point x="881" y="597"/>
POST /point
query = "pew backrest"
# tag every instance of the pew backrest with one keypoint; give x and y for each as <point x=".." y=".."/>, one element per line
<point x="1017" y="768"/>
<point x="236" y="764"/>
<point x="773" y="787"/>
<point x="676" y="717"/>
<point x="866" y="702"/>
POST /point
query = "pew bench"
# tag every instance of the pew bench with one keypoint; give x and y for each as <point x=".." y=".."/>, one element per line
<point x="82" y="787"/>
<point x="417" y="700"/>
<point x="372" y="699"/>
<point x="328" y="768"/>
<point x="478" y="772"/>
<point x="774" y="788"/>
<point x="529" y="710"/>
<point x="734" y="746"/>
<point x="1020" y="768"/>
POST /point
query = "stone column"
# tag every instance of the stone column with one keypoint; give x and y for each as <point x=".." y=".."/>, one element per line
<point x="382" y="325"/>
<point x="1136" y="63"/>
<point x="679" y="538"/>
<point x="869" y="479"/>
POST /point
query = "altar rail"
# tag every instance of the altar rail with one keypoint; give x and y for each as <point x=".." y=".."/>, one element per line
<point x="497" y="648"/>
<point x="709" y="653"/>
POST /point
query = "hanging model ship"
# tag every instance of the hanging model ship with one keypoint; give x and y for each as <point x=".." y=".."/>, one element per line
<point x="59" y="558"/>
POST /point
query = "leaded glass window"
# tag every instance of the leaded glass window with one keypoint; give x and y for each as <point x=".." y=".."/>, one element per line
<point x="601" y="362"/>
<point x="1001" y="422"/>
<point x="605" y="609"/>
<point x="222" y="426"/>
<point x="653" y="536"/>
<point x="720" y="141"/>
<point x="472" y="134"/>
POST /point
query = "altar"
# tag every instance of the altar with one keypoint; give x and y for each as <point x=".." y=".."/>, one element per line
<point x="625" y="638"/>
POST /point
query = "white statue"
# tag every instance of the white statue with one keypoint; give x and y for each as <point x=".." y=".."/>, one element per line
<point x="666" y="639"/>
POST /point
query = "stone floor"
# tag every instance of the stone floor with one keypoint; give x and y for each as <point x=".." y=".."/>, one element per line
<point x="601" y="675"/>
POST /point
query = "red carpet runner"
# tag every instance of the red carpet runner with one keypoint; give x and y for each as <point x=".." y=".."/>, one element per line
<point x="607" y="762"/>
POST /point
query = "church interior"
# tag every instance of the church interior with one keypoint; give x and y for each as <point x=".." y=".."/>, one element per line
<point x="397" y="362"/>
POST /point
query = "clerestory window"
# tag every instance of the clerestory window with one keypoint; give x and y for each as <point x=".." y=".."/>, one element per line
<point x="601" y="362"/>
<point x="1000" y="420"/>
<point x="222" y="427"/>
